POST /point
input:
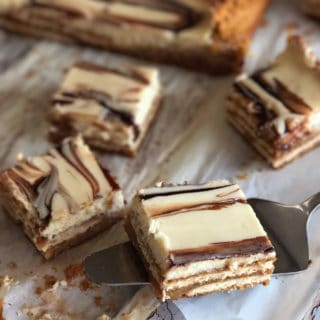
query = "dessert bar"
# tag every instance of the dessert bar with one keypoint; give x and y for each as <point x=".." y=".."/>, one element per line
<point x="62" y="197"/>
<point x="205" y="35"/>
<point x="199" y="239"/>
<point x="111" y="108"/>
<point x="277" y="108"/>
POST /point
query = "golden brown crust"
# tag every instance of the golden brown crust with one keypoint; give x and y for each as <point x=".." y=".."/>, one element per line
<point x="101" y="223"/>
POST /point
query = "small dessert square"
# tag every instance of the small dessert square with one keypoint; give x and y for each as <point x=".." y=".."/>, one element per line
<point x="62" y="197"/>
<point x="277" y="109"/>
<point x="199" y="239"/>
<point x="112" y="109"/>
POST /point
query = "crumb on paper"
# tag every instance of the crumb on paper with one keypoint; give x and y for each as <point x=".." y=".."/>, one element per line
<point x="50" y="307"/>
<point x="86" y="284"/>
<point x="12" y="265"/>
<point x="98" y="301"/>
<point x="243" y="176"/>
<point x="49" y="281"/>
<point x="73" y="271"/>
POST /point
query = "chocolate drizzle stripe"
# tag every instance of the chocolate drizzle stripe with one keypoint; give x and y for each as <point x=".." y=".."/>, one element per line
<point x="22" y="184"/>
<point x="203" y="206"/>
<point x="113" y="183"/>
<point x="171" y="193"/>
<point x="103" y="100"/>
<point x="83" y="170"/>
<point x="293" y="102"/>
<point x="263" y="113"/>
<point x="222" y="250"/>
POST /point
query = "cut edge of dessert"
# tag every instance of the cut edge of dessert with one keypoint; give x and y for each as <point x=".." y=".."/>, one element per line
<point x="228" y="249"/>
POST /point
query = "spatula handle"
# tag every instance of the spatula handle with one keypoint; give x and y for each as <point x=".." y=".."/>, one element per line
<point x="311" y="203"/>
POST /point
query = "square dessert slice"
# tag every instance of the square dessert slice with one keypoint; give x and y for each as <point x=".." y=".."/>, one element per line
<point x="277" y="109"/>
<point x="205" y="35"/>
<point x="112" y="109"/>
<point x="62" y="197"/>
<point x="199" y="239"/>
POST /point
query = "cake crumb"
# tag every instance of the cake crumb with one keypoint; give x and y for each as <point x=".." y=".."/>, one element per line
<point x="73" y="271"/>
<point x="243" y="176"/>
<point x="98" y="301"/>
<point x="12" y="265"/>
<point x="38" y="291"/>
<point x="49" y="281"/>
<point x="85" y="285"/>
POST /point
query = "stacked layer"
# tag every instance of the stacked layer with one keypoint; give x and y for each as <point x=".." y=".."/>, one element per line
<point x="207" y="35"/>
<point x="198" y="239"/>
<point x="112" y="109"/>
<point x="278" y="109"/>
<point x="62" y="197"/>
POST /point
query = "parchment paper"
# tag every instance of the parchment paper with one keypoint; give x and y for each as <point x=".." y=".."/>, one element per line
<point x="190" y="140"/>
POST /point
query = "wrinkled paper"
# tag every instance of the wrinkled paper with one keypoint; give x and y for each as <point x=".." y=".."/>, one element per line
<point x="190" y="141"/>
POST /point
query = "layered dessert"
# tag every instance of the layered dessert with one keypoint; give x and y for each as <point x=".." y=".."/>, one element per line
<point x="111" y="108"/>
<point x="199" y="239"/>
<point x="62" y="197"/>
<point x="205" y="35"/>
<point x="277" y="109"/>
<point x="311" y="8"/>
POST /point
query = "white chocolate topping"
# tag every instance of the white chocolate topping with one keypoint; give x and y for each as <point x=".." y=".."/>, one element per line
<point x="189" y="218"/>
<point x="95" y="92"/>
<point x="199" y="229"/>
<point x="170" y="203"/>
<point x="64" y="181"/>
<point x="297" y="69"/>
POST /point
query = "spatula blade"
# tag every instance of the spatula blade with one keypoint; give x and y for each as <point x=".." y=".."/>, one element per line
<point x="116" y="266"/>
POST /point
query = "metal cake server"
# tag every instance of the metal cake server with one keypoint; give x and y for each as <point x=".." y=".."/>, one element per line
<point x="286" y="226"/>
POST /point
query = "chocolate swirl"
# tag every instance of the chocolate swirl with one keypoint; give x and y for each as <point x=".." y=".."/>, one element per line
<point x="68" y="179"/>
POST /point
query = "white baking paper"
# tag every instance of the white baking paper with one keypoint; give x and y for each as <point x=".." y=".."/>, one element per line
<point x="189" y="141"/>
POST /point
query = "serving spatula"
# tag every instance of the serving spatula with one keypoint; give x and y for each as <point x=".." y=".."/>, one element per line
<point x="286" y="226"/>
